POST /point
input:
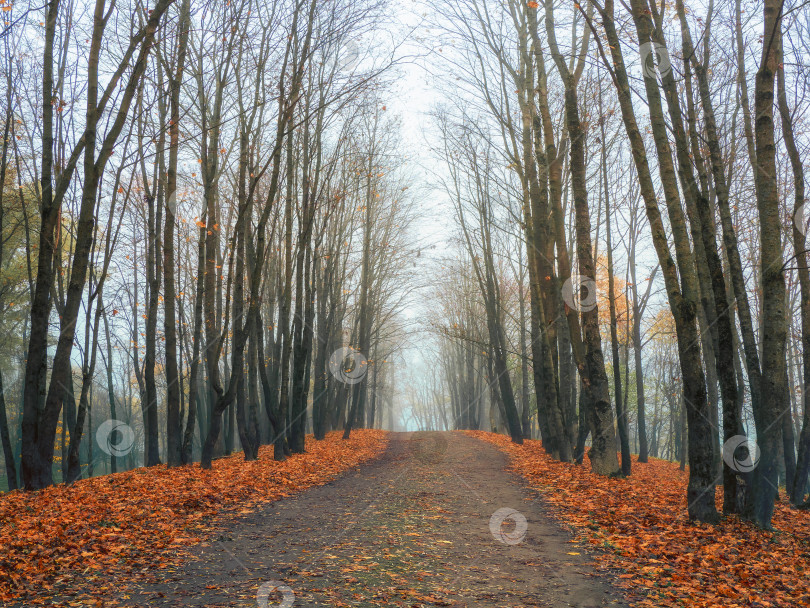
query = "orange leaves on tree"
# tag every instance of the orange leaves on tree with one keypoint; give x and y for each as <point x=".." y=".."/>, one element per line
<point x="126" y="525"/>
<point x="641" y="523"/>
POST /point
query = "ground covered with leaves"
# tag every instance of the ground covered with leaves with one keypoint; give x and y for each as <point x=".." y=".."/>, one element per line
<point x="412" y="529"/>
<point x="641" y="523"/>
<point x="76" y="540"/>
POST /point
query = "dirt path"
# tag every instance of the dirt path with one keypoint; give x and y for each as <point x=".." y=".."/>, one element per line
<point x="411" y="529"/>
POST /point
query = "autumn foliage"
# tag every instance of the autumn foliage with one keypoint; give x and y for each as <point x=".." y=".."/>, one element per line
<point x="640" y="523"/>
<point x="71" y="540"/>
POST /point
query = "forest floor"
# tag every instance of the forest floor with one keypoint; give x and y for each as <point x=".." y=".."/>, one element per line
<point x="87" y="543"/>
<point x="416" y="520"/>
<point x="412" y="528"/>
<point x="640" y="523"/>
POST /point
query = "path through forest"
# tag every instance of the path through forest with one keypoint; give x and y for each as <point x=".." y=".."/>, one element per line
<point x="410" y="529"/>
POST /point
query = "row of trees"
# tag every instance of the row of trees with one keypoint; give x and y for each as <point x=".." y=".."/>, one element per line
<point x="204" y="229"/>
<point x="210" y="200"/>
<point x="572" y="130"/>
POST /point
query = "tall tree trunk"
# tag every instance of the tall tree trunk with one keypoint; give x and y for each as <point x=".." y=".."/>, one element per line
<point x="774" y="334"/>
<point x="364" y="311"/>
<point x="174" y="422"/>
<point x="153" y="274"/>
<point x="799" y="486"/>
<point x="110" y="384"/>
<point x="700" y="492"/>
<point x="621" y="413"/>
<point x="569" y="333"/>
<point x="74" y="471"/>
<point x="524" y="367"/>
<point x="36" y="471"/>
<point x="193" y="377"/>
<point x="600" y="413"/>
<point x="8" y="451"/>
<point x="539" y="243"/>
<point x="643" y="447"/>
<point x="724" y="351"/>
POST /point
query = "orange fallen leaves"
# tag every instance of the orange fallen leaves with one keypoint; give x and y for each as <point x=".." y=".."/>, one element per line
<point x="70" y="539"/>
<point x="642" y="526"/>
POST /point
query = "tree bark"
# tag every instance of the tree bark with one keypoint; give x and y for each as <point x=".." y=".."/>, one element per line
<point x="174" y="456"/>
<point x="600" y="413"/>
<point x="774" y="327"/>
<point x="799" y="486"/>
<point x="700" y="492"/>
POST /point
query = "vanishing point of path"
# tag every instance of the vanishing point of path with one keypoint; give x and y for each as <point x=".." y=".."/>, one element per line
<point x="410" y="529"/>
